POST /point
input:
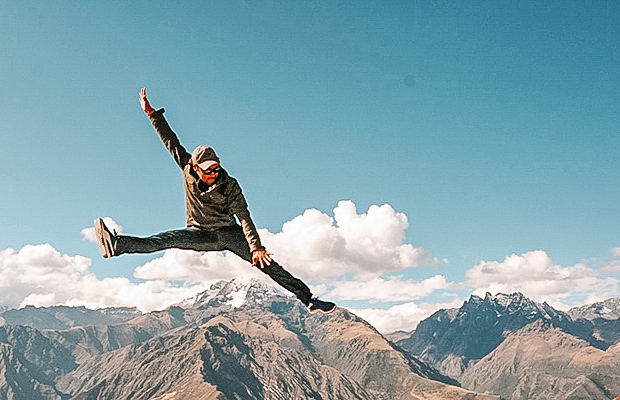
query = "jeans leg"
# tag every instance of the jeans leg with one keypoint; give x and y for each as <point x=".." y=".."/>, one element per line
<point x="187" y="239"/>
<point x="234" y="240"/>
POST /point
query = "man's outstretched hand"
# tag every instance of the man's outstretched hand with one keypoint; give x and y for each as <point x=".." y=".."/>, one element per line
<point x="144" y="102"/>
<point x="261" y="258"/>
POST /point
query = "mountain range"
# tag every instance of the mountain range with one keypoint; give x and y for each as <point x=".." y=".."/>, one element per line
<point x="511" y="346"/>
<point x="245" y="340"/>
<point x="237" y="340"/>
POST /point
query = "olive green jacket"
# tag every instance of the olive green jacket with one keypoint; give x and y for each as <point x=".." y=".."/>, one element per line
<point x="207" y="207"/>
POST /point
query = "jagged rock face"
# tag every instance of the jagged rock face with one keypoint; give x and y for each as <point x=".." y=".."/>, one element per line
<point x="30" y="363"/>
<point x="540" y="362"/>
<point x="608" y="309"/>
<point x="450" y="339"/>
<point x="241" y="341"/>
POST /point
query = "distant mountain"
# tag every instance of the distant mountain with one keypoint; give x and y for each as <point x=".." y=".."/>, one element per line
<point x="63" y="317"/>
<point x="511" y="346"/>
<point x="450" y="339"/>
<point x="237" y="340"/>
<point x="608" y="309"/>
<point x="398" y="335"/>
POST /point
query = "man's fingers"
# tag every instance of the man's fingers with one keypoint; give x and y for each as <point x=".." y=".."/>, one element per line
<point x="267" y="258"/>
<point x="261" y="258"/>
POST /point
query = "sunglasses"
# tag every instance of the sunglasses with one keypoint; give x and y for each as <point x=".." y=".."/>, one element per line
<point x="211" y="171"/>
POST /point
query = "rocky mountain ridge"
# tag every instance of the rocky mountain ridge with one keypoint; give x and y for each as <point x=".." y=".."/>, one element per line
<point x="512" y="346"/>
<point x="63" y="317"/>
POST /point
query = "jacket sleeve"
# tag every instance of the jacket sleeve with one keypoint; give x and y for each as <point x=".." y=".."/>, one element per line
<point x="240" y="208"/>
<point x="169" y="138"/>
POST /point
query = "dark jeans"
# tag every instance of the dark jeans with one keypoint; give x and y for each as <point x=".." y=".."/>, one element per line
<point x="227" y="238"/>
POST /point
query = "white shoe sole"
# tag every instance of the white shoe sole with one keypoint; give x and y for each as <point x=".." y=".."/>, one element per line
<point x="103" y="239"/>
<point x="318" y="310"/>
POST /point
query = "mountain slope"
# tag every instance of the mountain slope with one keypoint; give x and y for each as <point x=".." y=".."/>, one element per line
<point x="30" y="363"/>
<point x="543" y="362"/>
<point x="213" y="356"/>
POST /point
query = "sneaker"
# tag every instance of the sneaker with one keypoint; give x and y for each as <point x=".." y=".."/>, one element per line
<point x="317" y="305"/>
<point x="105" y="238"/>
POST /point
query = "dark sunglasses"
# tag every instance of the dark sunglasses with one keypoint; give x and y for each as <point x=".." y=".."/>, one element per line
<point x="212" y="171"/>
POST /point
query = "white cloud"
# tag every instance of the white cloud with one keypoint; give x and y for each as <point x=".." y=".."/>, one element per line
<point x="392" y="289"/>
<point x="39" y="275"/>
<point x="315" y="244"/>
<point x="613" y="265"/>
<point x="402" y="317"/>
<point x="534" y="274"/>
<point x="90" y="235"/>
<point x="192" y="266"/>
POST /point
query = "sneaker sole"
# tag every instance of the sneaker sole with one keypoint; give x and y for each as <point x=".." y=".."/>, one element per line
<point x="104" y="245"/>
<point x="318" y="310"/>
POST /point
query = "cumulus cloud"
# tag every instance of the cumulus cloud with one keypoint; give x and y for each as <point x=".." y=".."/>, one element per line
<point x="89" y="234"/>
<point x="402" y="317"/>
<point x="535" y="275"/>
<point x="39" y="275"/>
<point x="315" y="244"/>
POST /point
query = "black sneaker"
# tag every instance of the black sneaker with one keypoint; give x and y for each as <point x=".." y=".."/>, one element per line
<point x="105" y="238"/>
<point x="317" y="305"/>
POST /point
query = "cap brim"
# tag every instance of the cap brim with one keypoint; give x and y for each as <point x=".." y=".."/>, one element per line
<point x="207" y="164"/>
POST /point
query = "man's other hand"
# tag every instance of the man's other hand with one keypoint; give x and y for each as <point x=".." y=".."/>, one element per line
<point x="144" y="102"/>
<point x="260" y="257"/>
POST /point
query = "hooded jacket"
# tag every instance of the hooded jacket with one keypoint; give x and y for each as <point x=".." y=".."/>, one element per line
<point x="207" y="207"/>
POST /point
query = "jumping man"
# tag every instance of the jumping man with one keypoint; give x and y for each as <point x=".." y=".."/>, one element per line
<point x="213" y="199"/>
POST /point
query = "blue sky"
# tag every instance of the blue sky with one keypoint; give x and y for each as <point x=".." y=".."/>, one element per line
<point x="492" y="126"/>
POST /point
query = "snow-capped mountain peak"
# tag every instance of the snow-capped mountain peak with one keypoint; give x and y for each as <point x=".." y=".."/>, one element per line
<point x="608" y="309"/>
<point x="234" y="293"/>
<point x="510" y="305"/>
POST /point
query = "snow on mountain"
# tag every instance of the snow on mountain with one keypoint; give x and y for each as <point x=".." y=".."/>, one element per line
<point x="235" y="293"/>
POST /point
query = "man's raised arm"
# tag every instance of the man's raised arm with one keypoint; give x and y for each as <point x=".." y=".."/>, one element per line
<point x="167" y="135"/>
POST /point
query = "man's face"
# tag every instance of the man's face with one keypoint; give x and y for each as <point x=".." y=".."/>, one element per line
<point x="208" y="176"/>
